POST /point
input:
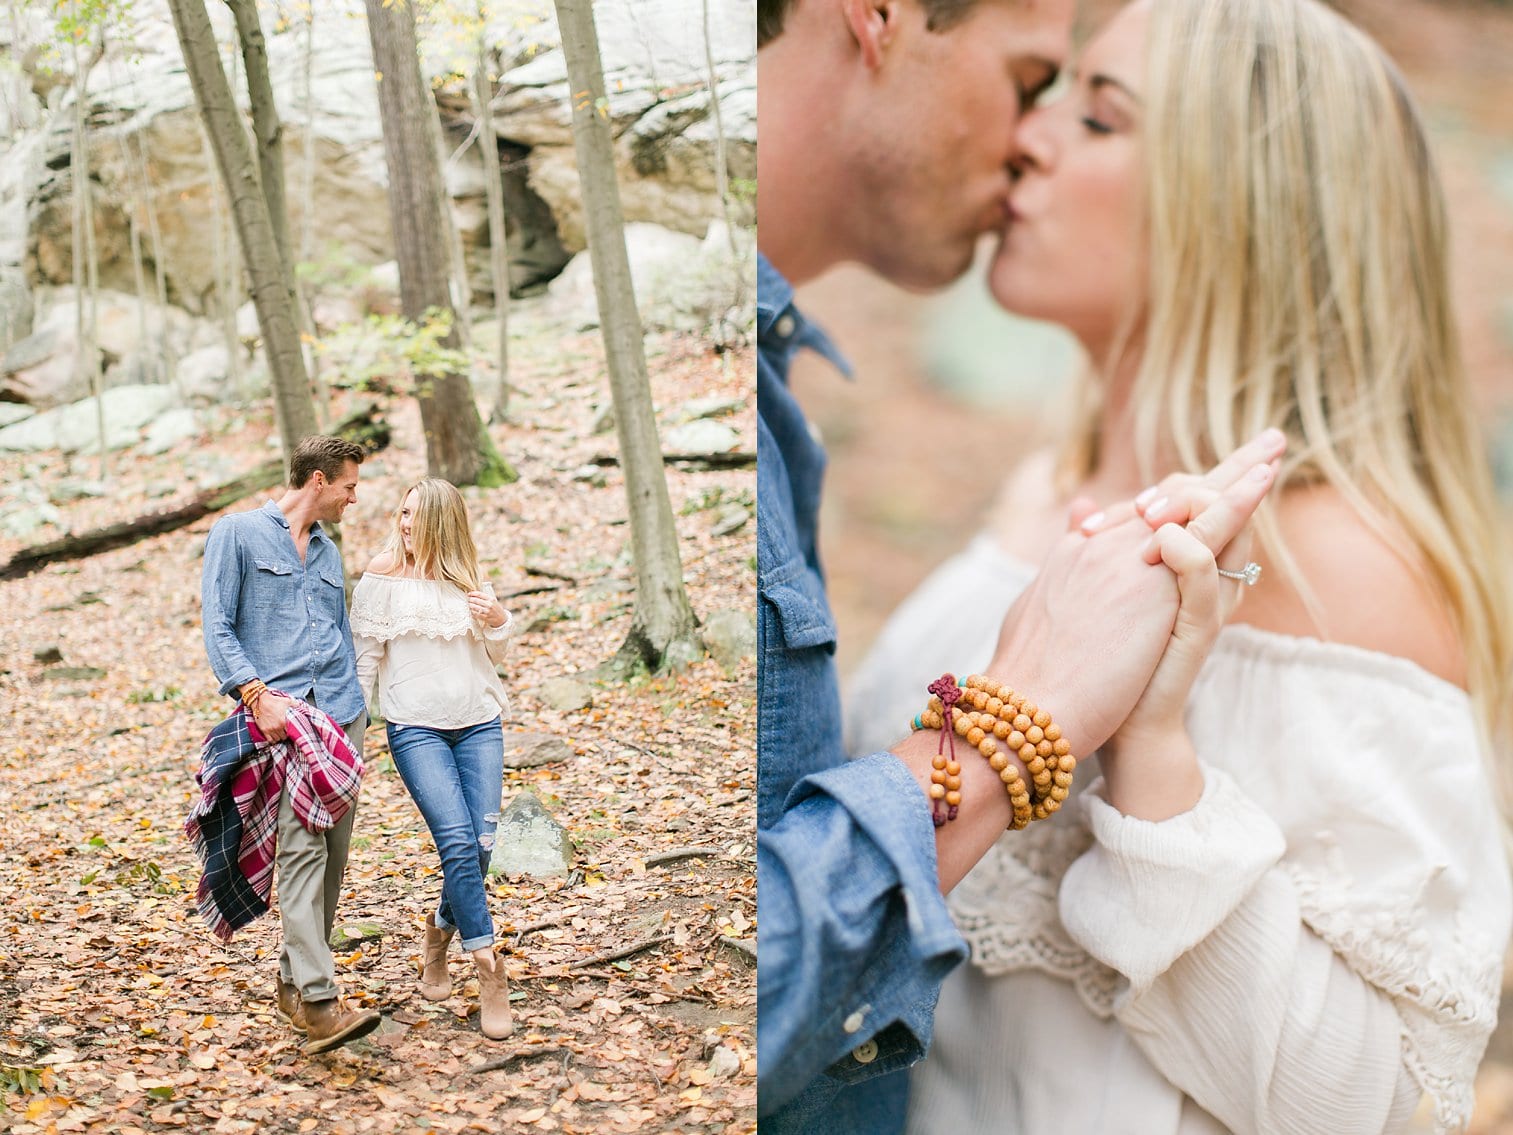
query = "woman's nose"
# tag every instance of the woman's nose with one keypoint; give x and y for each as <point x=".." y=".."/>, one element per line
<point x="1033" y="144"/>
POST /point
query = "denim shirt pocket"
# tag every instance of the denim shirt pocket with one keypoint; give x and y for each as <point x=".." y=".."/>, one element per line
<point x="271" y="584"/>
<point x="797" y="596"/>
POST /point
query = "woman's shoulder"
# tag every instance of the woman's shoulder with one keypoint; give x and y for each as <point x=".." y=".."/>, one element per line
<point x="381" y="564"/>
<point x="1369" y="587"/>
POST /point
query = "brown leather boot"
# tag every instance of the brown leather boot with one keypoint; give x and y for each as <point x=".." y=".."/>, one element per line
<point x="332" y="1024"/>
<point x="291" y="1005"/>
<point x="494" y="1019"/>
<point x="435" y="983"/>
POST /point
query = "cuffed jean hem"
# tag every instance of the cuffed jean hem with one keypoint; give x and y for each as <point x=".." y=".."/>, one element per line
<point x="468" y="944"/>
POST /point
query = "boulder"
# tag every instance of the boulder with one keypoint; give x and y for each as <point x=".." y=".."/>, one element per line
<point x="204" y="374"/>
<point x="712" y="407"/>
<point x="527" y="841"/>
<point x="730" y="637"/>
<point x="701" y="436"/>
<point x="532" y="750"/>
<point x="681" y="283"/>
<point x="177" y="425"/>
<point x="565" y="694"/>
<point x="74" y="428"/>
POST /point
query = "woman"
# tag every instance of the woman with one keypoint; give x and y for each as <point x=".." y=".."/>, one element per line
<point x="428" y="632"/>
<point x="1285" y="904"/>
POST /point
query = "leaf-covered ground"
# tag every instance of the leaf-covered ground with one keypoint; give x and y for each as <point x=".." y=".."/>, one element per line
<point x="118" y="1010"/>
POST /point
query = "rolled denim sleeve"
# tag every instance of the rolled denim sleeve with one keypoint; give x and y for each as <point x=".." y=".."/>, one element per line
<point x="854" y="937"/>
<point x="220" y="597"/>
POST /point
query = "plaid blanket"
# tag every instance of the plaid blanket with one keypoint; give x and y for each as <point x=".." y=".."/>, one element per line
<point x="234" y="822"/>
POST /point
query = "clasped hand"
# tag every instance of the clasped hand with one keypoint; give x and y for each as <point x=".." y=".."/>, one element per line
<point x="1120" y="619"/>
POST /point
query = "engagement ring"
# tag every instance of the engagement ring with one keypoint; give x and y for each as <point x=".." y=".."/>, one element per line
<point x="1248" y="575"/>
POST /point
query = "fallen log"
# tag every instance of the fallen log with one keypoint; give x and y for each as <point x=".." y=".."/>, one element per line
<point x="736" y="460"/>
<point x="364" y="427"/>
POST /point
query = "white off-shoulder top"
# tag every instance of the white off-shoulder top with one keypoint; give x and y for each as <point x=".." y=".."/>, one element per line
<point x="422" y="653"/>
<point x="1311" y="948"/>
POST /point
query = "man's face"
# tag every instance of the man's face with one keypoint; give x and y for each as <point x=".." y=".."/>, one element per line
<point x="942" y="112"/>
<point x="336" y="495"/>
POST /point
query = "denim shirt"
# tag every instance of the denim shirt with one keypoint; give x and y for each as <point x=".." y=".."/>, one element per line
<point x="854" y="937"/>
<point x="267" y="615"/>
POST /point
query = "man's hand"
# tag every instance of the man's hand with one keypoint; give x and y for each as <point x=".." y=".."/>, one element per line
<point x="272" y="715"/>
<point x="1085" y="638"/>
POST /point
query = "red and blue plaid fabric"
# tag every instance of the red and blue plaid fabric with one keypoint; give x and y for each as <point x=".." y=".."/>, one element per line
<point x="234" y="823"/>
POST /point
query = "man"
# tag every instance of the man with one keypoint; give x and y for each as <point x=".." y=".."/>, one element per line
<point x="275" y="618"/>
<point x="887" y="139"/>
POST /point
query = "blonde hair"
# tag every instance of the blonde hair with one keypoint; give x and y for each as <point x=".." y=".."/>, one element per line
<point x="444" y="547"/>
<point x="1298" y="278"/>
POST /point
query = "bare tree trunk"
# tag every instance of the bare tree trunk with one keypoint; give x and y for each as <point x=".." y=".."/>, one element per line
<point x="458" y="446"/>
<point x="293" y="406"/>
<point x="307" y="219"/>
<point x="499" y="249"/>
<point x="137" y="154"/>
<point x="307" y="156"/>
<point x="459" y="264"/>
<point x="268" y="130"/>
<point x="663" y="631"/>
<point x="83" y="251"/>
<point x="228" y="263"/>
<point x="721" y="168"/>
<point x="266" y="127"/>
<point x="223" y="238"/>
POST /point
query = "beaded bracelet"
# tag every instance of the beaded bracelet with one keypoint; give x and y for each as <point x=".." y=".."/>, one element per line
<point x="251" y="695"/>
<point x="996" y="714"/>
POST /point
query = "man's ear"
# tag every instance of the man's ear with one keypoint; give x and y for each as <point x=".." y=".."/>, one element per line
<point x="873" y="24"/>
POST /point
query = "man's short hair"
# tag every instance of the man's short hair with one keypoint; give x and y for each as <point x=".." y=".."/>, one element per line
<point x="324" y="452"/>
<point x="939" y="15"/>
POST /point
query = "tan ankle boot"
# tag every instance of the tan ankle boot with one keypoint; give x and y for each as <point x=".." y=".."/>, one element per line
<point x="435" y="983"/>
<point x="494" y="1019"/>
<point x="332" y="1024"/>
<point x="290" y="1004"/>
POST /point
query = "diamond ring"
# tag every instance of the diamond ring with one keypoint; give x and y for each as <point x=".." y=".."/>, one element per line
<point x="1249" y="575"/>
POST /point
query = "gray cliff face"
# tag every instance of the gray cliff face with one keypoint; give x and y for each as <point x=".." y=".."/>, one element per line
<point x="145" y="142"/>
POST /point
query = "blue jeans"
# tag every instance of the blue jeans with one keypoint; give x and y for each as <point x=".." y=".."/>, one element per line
<point x="456" y="777"/>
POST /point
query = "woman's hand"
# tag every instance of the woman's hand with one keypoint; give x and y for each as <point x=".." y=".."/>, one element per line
<point x="1180" y="497"/>
<point x="1149" y="764"/>
<point x="486" y="609"/>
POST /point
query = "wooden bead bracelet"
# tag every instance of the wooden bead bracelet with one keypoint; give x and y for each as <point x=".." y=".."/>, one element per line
<point x="992" y="712"/>
<point x="255" y="690"/>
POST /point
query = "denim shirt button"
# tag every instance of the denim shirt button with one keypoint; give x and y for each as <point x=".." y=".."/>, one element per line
<point x="853" y="1023"/>
<point x="866" y="1052"/>
<point x="784" y="326"/>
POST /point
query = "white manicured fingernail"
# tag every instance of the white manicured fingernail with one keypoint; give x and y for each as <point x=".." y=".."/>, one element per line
<point x="1092" y="523"/>
<point x="1260" y="473"/>
<point x="1145" y="496"/>
<point x="1158" y="507"/>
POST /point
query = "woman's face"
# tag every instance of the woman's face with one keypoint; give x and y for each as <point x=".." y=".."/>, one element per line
<point x="1074" y="251"/>
<point x="407" y="520"/>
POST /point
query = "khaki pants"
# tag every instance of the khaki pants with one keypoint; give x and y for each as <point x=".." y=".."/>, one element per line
<point x="309" y="873"/>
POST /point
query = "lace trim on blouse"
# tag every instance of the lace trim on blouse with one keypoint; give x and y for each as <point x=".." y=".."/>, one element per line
<point x="394" y="605"/>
